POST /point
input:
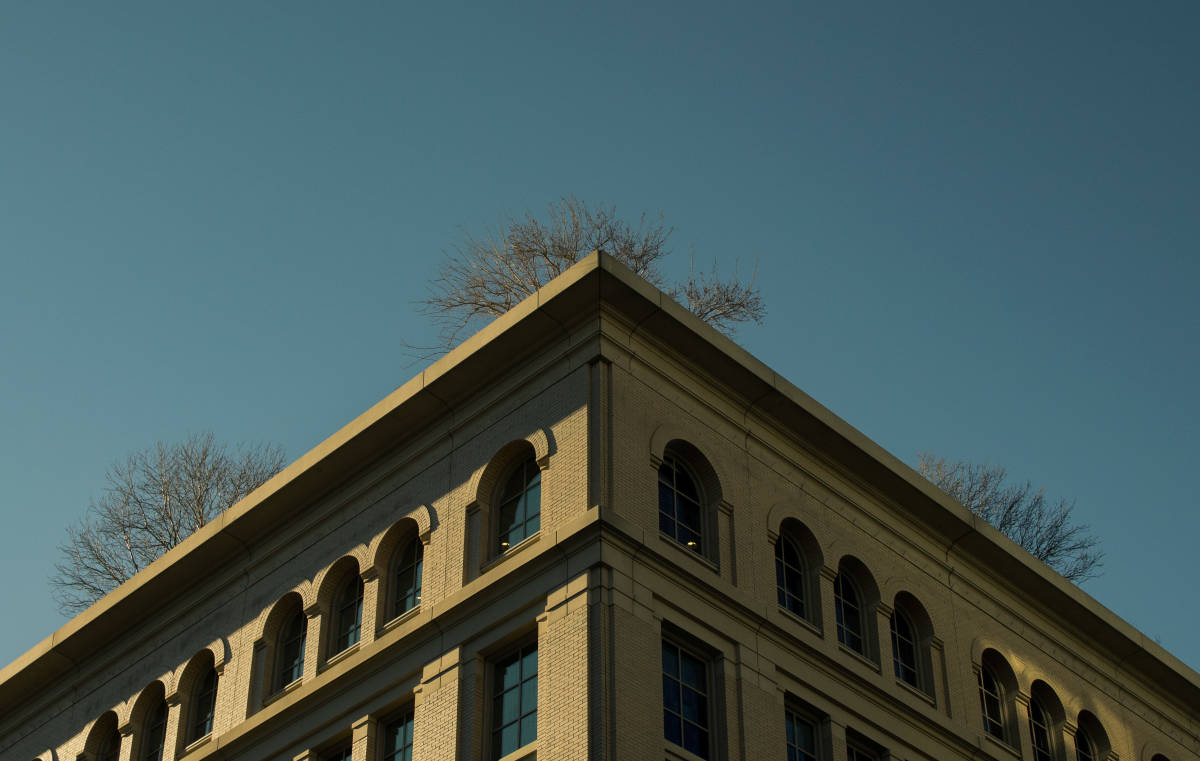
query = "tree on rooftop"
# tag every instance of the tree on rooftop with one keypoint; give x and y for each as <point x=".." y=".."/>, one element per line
<point x="481" y="278"/>
<point x="153" y="500"/>
<point x="1022" y="513"/>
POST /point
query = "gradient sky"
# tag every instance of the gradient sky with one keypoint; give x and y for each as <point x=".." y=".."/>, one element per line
<point x="975" y="227"/>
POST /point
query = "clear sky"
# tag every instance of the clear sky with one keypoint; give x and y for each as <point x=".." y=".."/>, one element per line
<point x="975" y="227"/>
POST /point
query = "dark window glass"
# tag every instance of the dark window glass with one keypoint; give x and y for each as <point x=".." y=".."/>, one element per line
<point x="801" y="738"/>
<point x="854" y="753"/>
<point x="904" y="648"/>
<point x="398" y="738"/>
<point x="1039" y="731"/>
<point x="520" y="506"/>
<point x="849" y="614"/>
<point x="789" y="576"/>
<point x="408" y="576"/>
<point x="341" y="754"/>
<point x="679" y="514"/>
<point x="291" y="649"/>
<point x="1084" y="750"/>
<point x="205" y="705"/>
<point x="685" y="699"/>
<point x="514" y="701"/>
<point x="349" y="613"/>
<point x="990" y="700"/>
<point x="110" y="746"/>
<point x="155" y="733"/>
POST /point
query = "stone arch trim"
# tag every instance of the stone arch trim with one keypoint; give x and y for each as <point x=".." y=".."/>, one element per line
<point x="669" y="432"/>
<point x="485" y="479"/>
<point x="421" y="520"/>
<point x="331" y="577"/>
<point x="269" y="620"/>
<point x="782" y="511"/>
<point x="99" y="726"/>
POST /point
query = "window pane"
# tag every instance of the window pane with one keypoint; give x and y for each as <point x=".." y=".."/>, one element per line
<point x="529" y="729"/>
<point x="672" y="728"/>
<point x="695" y="740"/>
<point x="693" y="671"/>
<point x="670" y="660"/>
<point x="670" y="694"/>
<point x="695" y="707"/>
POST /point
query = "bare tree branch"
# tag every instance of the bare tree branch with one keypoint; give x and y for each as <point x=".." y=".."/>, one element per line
<point x="153" y="500"/>
<point x="482" y="278"/>
<point x="1043" y="527"/>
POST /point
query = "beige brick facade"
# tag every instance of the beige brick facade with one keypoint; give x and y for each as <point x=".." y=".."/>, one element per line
<point x="599" y="380"/>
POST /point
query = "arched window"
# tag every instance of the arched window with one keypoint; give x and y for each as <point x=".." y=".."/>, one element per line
<point x="1084" y="749"/>
<point x="154" y="732"/>
<point x="991" y="701"/>
<point x="1039" y="731"/>
<point x="204" y="705"/>
<point x="407" y="578"/>
<point x="520" y="506"/>
<point x="347" y="613"/>
<point x="680" y="515"/>
<point x="290" y="661"/>
<point x="110" y="745"/>
<point x="905" y="648"/>
<point x="848" y="605"/>
<point x="1091" y="741"/>
<point x="790" y="576"/>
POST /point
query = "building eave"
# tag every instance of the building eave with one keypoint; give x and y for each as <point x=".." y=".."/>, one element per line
<point x="596" y="283"/>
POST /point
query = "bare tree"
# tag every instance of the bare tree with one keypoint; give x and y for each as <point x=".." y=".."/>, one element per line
<point x="154" y="499"/>
<point x="482" y="278"/>
<point x="1043" y="527"/>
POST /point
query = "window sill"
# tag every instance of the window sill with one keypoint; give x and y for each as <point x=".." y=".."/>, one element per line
<point x="703" y="560"/>
<point x="197" y="744"/>
<point x="341" y="655"/>
<point x="400" y="619"/>
<point x="287" y="688"/>
<point x="1002" y="744"/>
<point x="524" y="753"/>
<point x="790" y="616"/>
<point x="859" y="657"/>
<point x="678" y="752"/>
<point x="518" y="547"/>
<point x="918" y="692"/>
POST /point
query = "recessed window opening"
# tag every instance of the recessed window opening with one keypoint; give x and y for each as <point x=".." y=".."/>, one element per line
<point x="205" y="705"/>
<point x="1085" y="750"/>
<point x="519" y="515"/>
<point x="904" y="648"/>
<point x="348" y="616"/>
<point x="110" y="746"/>
<point x="790" y="579"/>
<point x="514" y="701"/>
<point x="801" y="737"/>
<point x="991" y="701"/>
<point x="398" y="737"/>
<point x="1039" y="731"/>
<point x="679" y="505"/>
<point x="848" y="606"/>
<point x="685" y="699"/>
<point x="155" y="730"/>
<point x="408" y="576"/>
<point x="342" y="753"/>
<point x="291" y="650"/>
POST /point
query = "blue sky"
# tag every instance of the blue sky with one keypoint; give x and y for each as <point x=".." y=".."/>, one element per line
<point x="975" y="227"/>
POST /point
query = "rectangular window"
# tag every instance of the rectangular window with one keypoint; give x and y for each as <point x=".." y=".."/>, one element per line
<point x="685" y="699"/>
<point x="801" y="737"/>
<point x="398" y="738"/>
<point x="341" y="754"/>
<point x="514" y="701"/>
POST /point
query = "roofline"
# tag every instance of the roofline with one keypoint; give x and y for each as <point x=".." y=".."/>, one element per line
<point x="594" y="279"/>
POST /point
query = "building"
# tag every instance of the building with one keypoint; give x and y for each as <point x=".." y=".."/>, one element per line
<point x="597" y="530"/>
